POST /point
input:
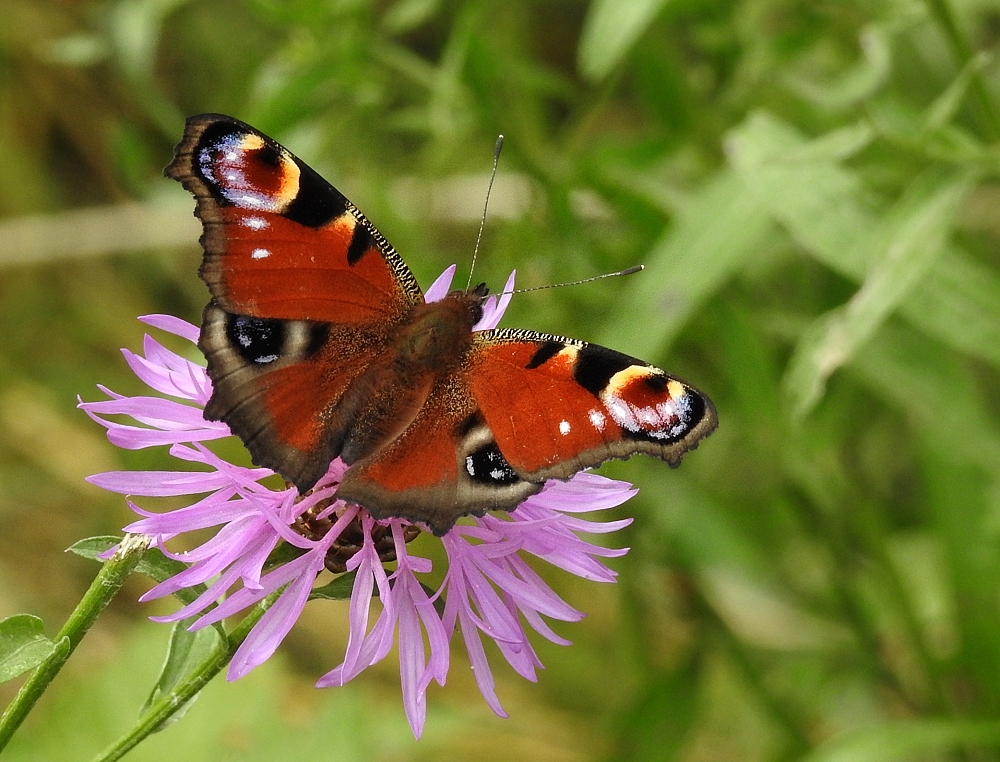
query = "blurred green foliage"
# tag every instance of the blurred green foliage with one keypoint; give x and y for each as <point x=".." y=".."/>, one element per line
<point x="813" y="188"/>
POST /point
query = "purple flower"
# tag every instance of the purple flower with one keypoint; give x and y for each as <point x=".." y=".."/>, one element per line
<point x="489" y="589"/>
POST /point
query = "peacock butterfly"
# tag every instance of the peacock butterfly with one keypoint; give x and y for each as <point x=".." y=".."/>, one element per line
<point x="320" y="345"/>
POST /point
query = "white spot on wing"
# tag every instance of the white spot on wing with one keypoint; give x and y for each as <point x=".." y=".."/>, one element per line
<point x="597" y="419"/>
<point x="246" y="201"/>
<point x="254" y="223"/>
<point x="260" y="254"/>
<point x="564" y="427"/>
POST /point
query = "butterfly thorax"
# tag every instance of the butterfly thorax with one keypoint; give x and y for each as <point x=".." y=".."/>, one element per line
<point x="436" y="335"/>
<point x="429" y="344"/>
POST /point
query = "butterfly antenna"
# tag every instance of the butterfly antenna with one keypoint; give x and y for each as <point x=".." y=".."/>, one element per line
<point x="627" y="271"/>
<point x="486" y="205"/>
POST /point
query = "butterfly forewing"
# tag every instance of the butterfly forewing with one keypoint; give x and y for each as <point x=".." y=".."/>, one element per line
<point x="557" y="405"/>
<point x="306" y="293"/>
<point x="280" y="241"/>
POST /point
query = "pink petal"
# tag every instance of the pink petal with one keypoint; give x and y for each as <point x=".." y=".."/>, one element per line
<point x="173" y="325"/>
<point x="494" y="309"/>
<point x="439" y="288"/>
<point x="272" y="628"/>
<point x="159" y="483"/>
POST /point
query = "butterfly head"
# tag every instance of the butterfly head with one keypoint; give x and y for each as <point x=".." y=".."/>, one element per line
<point x="472" y="300"/>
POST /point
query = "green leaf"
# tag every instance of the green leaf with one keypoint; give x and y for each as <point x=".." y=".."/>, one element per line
<point x="407" y="15"/>
<point x="824" y="208"/>
<point x="153" y="564"/>
<point x="93" y="547"/>
<point x="839" y="144"/>
<point x="923" y="379"/>
<point x="819" y="203"/>
<point x="23" y="645"/>
<point x="610" y="30"/>
<point x="186" y="652"/>
<point x="860" y="82"/>
<point x="338" y="589"/>
<point x="718" y="230"/>
<point x="905" y="245"/>
<point x="946" y="105"/>
<point x="904" y="740"/>
<point x="282" y="554"/>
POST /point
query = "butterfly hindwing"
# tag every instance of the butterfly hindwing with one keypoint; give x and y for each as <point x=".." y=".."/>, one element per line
<point x="444" y="466"/>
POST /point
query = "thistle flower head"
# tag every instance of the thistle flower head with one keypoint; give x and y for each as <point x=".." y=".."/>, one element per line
<point x="489" y="589"/>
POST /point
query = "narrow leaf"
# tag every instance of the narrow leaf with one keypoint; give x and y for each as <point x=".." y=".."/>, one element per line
<point x="153" y="564"/>
<point x="93" y="547"/>
<point x="187" y="652"/>
<point x="859" y="82"/>
<point x="922" y="378"/>
<point x="903" y="247"/>
<point x="946" y="105"/>
<point x="824" y="208"/>
<point x="717" y="231"/>
<point x="23" y="645"/>
<point x="610" y="30"/>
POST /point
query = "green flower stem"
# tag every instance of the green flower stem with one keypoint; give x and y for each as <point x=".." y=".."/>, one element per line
<point x="177" y="699"/>
<point x="107" y="583"/>
<point x="941" y="12"/>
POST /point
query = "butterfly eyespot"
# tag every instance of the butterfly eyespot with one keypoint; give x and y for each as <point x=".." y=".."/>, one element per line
<point x="488" y="466"/>
<point x="258" y="340"/>
<point x="267" y="155"/>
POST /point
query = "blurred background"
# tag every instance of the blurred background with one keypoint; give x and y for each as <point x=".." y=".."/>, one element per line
<point x="812" y="186"/>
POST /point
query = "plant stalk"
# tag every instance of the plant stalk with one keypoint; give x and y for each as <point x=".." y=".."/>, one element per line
<point x="107" y="583"/>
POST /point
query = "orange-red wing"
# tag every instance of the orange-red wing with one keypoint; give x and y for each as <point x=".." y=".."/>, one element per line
<point x="280" y="241"/>
<point x="306" y="294"/>
<point x="523" y="408"/>
<point x="556" y="405"/>
<point x="277" y="384"/>
<point x="444" y="466"/>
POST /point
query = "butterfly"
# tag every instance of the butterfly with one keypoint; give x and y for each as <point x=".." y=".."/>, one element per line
<point x="320" y="345"/>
